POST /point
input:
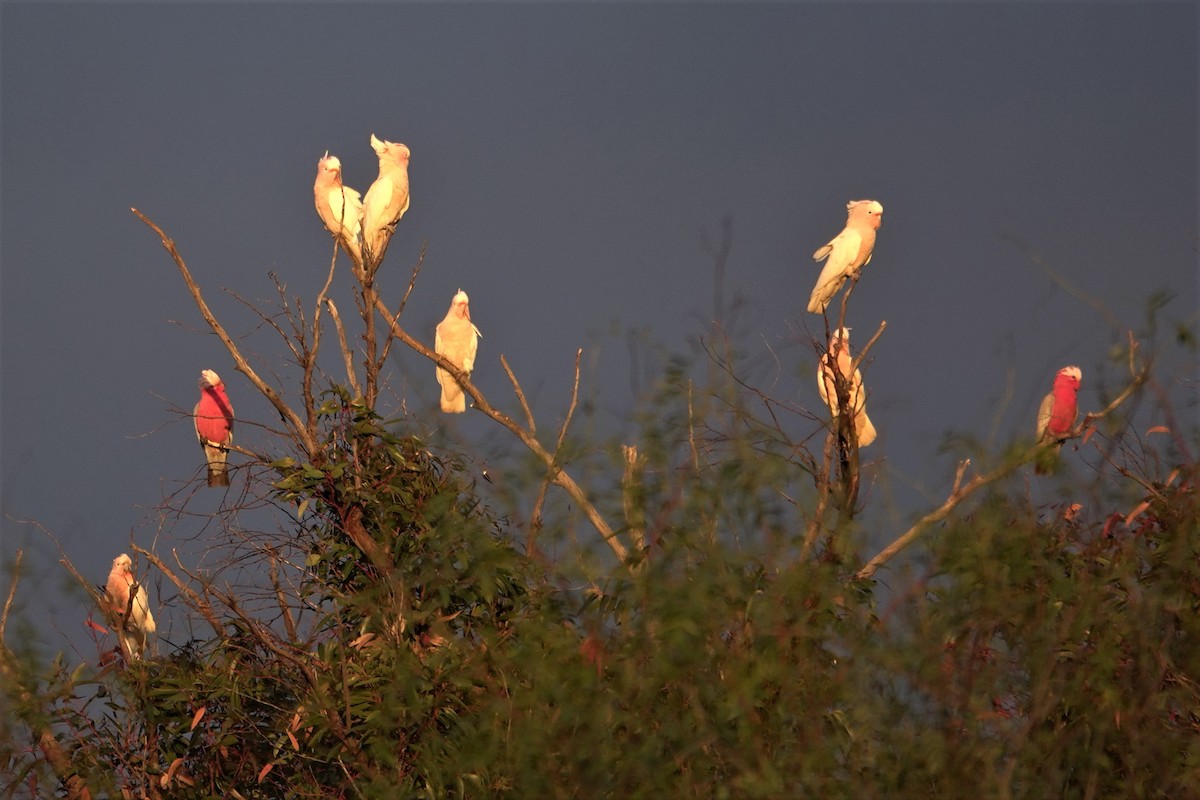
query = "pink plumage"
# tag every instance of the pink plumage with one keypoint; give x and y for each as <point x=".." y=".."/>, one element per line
<point x="1056" y="415"/>
<point x="213" y="417"/>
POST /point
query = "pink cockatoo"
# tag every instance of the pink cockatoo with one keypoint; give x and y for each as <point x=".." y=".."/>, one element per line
<point x="457" y="339"/>
<point x="213" y="417"/>
<point x="386" y="200"/>
<point x="1056" y="416"/>
<point x="128" y="608"/>
<point x="848" y="252"/>
<point x="838" y="356"/>
<point x="339" y="207"/>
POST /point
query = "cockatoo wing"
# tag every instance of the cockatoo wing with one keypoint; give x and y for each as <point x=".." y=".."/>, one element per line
<point x="387" y="199"/>
<point x="863" y="429"/>
<point x="841" y="252"/>
<point x="456" y="339"/>
<point x="1045" y="411"/>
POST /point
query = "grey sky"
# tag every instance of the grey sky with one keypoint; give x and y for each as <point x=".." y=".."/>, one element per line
<point x="565" y="159"/>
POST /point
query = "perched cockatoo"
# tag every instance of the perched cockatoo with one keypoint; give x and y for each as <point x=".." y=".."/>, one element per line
<point x="848" y="252"/>
<point x="339" y="207"/>
<point x="386" y="200"/>
<point x="456" y="339"/>
<point x="133" y="620"/>
<point x="839" y="354"/>
<point x="1056" y="416"/>
<point x="213" y="417"/>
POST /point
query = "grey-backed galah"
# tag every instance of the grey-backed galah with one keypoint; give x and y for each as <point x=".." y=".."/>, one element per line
<point x="213" y="417"/>
<point x="339" y="207"/>
<point x="386" y="200"/>
<point x="848" y="252"/>
<point x="128" y="608"/>
<point x="838" y="358"/>
<point x="457" y="339"/>
<point x="1056" y="416"/>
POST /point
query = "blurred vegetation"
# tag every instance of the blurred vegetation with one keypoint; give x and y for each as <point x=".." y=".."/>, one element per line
<point x="400" y="641"/>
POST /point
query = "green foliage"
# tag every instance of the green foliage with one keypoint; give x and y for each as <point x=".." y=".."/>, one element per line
<point x="1046" y="651"/>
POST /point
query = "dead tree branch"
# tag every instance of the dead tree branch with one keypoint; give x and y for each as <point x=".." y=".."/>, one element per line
<point x="560" y="477"/>
<point x="960" y="491"/>
<point x="289" y="416"/>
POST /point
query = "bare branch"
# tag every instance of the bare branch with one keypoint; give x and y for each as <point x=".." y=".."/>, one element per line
<point x="194" y="600"/>
<point x="862" y="353"/>
<point x="12" y="592"/>
<point x="561" y="477"/>
<point x="960" y="492"/>
<point x="285" y="411"/>
<point x="416" y="270"/>
<point x="520" y="394"/>
<point x="347" y="353"/>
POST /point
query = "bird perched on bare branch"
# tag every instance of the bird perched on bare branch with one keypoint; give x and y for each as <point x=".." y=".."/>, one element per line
<point x="1056" y="416"/>
<point x="213" y="417"/>
<point x="339" y="207"/>
<point x="848" y="252"/>
<point x="457" y="339"/>
<point x="386" y="200"/>
<point x="837" y="361"/>
<point x="128" y="608"/>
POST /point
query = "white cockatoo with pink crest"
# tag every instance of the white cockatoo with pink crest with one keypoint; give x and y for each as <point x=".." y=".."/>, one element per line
<point x="457" y="339"/>
<point x="1056" y="416"/>
<point x="213" y="418"/>
<point x="837" y="360"/>
<point x="339" y="207"/>
<point x="847" y="253"/>
<point x="386" y="200"/>
<point x="128" y="608"/>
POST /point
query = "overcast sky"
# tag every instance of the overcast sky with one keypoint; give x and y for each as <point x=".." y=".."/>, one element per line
<point x="566" y="162"/>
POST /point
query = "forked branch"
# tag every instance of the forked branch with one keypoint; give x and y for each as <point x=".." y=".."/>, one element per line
<point x="289" y="416"/>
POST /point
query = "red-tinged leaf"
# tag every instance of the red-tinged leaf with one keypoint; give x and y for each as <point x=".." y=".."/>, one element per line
<point x="1158" y="429"/>
<point x="262" y="773"/>
<point x="1087" y="434"/>
<point x="1171" y="478"/>
<point x="199" y="715"/>
<point x="165" y="780"/>
<point x="96" y="626"/>
<point x="292" y="739"/>
<point x="1142" y="506"/>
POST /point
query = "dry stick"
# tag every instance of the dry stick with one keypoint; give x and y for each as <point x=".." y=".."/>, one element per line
<point x="561" y="477"/>
<point x="412" y="281"/>
<point x="289" y="623"/>
<point x="520" y="394"/>
<point x="551" y="467"/>
<point x="347" y="353"/>
<point x="309" y="361"/>
<point x="289" y="416"/>
<point x="960" y="492"/>
<point x="195" y="600"/>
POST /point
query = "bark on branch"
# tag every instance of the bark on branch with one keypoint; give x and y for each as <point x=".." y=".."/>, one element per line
<point x="289" y="416"/>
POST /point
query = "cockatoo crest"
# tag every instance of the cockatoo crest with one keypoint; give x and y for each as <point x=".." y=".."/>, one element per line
<point x="847" y="253"/>
<point x="1072" y="372"/>
<point x="208" y="378"/>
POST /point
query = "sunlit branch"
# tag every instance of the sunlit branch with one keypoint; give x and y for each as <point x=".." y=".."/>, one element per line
<point x="347" y="353"/>
<point x="561" y="477"/>
<point x="285" y="411"/>
<point x="961" y="491"/>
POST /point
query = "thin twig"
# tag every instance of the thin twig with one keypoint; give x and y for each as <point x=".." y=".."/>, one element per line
<point x="347" y="353"/>
<point x="194" y="600"/>
<point x="520" y="394"/>
<point x="960" y="492"/>
<point x="12" y="592"/>
<point x="285" y="411"/>
<point x="561" y="478"/>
